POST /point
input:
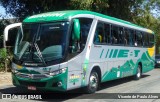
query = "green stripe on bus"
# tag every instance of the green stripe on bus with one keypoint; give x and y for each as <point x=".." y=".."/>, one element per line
<point x="107" y="53"/>
<point x="111" y="53"/>
<point x="101" y="53"/>
<point x="115" y="53"/>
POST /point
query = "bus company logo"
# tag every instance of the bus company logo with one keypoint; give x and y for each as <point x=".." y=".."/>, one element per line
<point x="13" y="96"/>
<point x="48" y="15"/>
<point x="6" y="96"/>
<point x="119" y="53"/>
<point x="30" y="64"/>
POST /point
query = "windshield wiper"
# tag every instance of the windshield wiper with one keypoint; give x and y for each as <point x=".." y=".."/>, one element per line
<point x="39" y="54"/>
<point x="23" y="50"/>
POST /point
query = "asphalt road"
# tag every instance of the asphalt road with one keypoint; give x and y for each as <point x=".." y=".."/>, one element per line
<point x="111" y="91"/>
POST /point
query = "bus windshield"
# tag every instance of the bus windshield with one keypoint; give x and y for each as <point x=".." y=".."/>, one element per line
<point x="41" y="42"/>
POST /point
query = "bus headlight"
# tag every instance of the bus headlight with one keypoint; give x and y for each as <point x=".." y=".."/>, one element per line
<point x="58" y="72"/>
<point x="14" y="70"/>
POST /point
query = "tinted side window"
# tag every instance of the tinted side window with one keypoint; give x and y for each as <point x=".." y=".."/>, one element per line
<point x="126" y="37"/>
<point x="99" y="33"/>
<point x="146" y="40"/>
<point x="107" y="33"/>
<point x="132" y="37"/>
<point x="138" y="38"/>
<point x="117" y="35"/>
<point x="151" y="40"/>
<point x="114" y="34"/>
<point x="85" y="25"/>
<point x="121" y="35"/>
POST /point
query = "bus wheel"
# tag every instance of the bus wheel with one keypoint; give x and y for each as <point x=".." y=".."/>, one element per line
<point x="138" y="73"/>
<point x="93" y="82"/>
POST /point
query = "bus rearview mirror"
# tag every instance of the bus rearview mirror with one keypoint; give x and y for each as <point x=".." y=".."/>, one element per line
<point x="8" y="28"/>
<point x="76" y="29"/>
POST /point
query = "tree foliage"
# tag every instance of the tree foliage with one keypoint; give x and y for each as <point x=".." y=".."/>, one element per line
<point x="141" y="12"/>
<point x="115" y="8"/>
<point x="93" y="5"/>
<point x="146" y="18"/>
<point x="23" y="8"/>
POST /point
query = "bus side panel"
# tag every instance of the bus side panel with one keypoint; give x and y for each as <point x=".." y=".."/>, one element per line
<point x="148" y="62"/>
<point x="120" y="61"/>
<point x="113" y="67"/>
<point x="111" y="74"/>
<point x="74" y="80"/>
<point x="74" y="72"/>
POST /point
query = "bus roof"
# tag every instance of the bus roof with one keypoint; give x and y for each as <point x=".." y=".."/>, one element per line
<point x="63" y="15"/>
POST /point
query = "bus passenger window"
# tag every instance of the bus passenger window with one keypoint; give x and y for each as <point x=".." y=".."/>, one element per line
<point x="99" y="34"/>
<point x="139" y="38"/>
<point x="107" y="33"/>
<point x="114" y="33"/>
<point x="132" y="37"/>
<point x="146" y="39"/>
<point x="151" y="40"/>
<point x="135" y="40"/>
<point x="120" y="33"/>
<point x="85" y="25"/>
<point x="126" y="37"/>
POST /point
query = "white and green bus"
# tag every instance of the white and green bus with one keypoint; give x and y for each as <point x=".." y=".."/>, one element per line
<point x="64" y="50"/>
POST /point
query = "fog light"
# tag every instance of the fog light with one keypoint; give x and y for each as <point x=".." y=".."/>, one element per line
<point x="59" y="84"/>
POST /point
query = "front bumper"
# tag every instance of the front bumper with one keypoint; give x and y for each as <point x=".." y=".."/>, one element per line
<point x="51" y="83"/>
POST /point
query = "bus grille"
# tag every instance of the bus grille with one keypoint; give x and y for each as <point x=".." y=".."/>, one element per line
<point x="37" y="84"/>
<point x="31" y="76"/>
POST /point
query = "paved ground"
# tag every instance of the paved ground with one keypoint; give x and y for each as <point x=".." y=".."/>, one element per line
<point x="149" y="83"/>
<point x="5" y="79"/>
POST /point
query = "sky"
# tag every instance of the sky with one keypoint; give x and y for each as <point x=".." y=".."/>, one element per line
<point x="2" y="11"/>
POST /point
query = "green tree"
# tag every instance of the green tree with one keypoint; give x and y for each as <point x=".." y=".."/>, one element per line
<point x="24" y="8"/>
<point x="121" y="9"/>
<point x="115" y="8"/>
<point x="92" y="5"/>
<point x="145" y="18"/>
<point x="136" y="11"/>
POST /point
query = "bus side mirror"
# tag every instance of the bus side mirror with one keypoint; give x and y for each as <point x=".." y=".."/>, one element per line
<point x="76" y="30"/>
<point x="8" y="28"/>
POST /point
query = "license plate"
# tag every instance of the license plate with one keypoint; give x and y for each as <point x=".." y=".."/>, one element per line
<point x="32" y="88"/>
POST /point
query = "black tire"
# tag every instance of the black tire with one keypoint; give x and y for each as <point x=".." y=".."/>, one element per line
<point x="138" y="73"/>
<point x="93" y="83"/>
